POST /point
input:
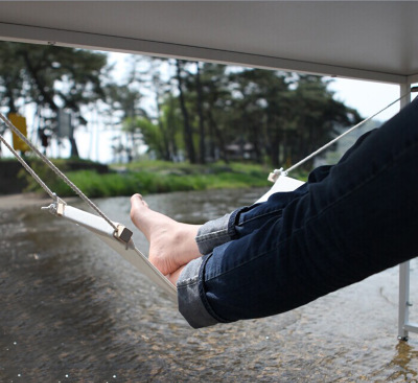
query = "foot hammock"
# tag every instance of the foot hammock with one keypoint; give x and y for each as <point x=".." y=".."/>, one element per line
<point x="117" y="236"/>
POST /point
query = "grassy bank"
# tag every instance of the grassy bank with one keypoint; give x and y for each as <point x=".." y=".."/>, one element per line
<point x="156" y="177"/>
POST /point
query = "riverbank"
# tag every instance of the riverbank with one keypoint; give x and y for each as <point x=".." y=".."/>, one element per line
<point x="154" y="177"/>
<point x="145" y="177"/>
<point x="15" y="180"/>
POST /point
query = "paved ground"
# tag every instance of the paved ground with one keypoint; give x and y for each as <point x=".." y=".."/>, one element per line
<point x="16" y="201"/>
<point x="21" y="200"/>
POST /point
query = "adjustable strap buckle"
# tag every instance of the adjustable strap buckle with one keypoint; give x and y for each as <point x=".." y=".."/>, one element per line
<point x="275" y="174"/>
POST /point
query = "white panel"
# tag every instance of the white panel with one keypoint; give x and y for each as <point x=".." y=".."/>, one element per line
<point x="99" y="42"/>
<point x="373" y="40"/>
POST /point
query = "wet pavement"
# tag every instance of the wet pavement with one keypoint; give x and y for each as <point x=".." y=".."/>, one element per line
<point x="71" y="310"/>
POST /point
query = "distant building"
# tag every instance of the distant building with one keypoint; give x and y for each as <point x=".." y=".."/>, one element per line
<point x="240" y="150"/>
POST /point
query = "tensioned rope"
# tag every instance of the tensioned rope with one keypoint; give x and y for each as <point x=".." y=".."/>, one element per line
<point x="57" y="171"/>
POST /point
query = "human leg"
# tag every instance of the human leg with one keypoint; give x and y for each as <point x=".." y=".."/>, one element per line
<point x="172" y="244"/>
<point x="361" y="218"/>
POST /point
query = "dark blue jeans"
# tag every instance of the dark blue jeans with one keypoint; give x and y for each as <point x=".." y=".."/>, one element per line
<point x="347" y="222"/>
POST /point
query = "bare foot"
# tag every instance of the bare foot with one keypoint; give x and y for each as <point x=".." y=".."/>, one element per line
<point x="172" y="244"/>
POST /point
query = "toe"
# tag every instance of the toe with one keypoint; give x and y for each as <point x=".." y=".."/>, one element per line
<point x="137" y="201"/>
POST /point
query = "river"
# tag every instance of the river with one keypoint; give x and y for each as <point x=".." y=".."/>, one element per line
<point x="72" y="310"/>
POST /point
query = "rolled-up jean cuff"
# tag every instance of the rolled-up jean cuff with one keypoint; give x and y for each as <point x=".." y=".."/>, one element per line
<point x="190" y="292"/>
<point x="213" y="233"/>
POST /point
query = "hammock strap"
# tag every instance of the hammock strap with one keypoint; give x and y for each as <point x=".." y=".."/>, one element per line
<point x="326" y="146"/>
<point x="58" y="172"/>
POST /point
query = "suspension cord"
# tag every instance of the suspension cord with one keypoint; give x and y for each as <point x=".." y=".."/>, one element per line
<point x="326" y="146"/>
<point x="58" y="172"/>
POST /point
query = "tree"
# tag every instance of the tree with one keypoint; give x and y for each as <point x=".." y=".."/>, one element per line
<point x="188" y="132"/>
<point x="164" y="106"/>
<point x="317" y="117"/>
<point x="284" y="115"/>
<point x="214" y="108"/>
<point x="52" y="77"/>
<point x="157" y="134"/>
<point x="151" y="134"/>
<point x="11" y="77"/>
<point x="199" y="101"/>
<point x="123" y="109"/>
<point x="195" y="94"/>
<point x="11" y="81"/>
<point x="262" y="96"/>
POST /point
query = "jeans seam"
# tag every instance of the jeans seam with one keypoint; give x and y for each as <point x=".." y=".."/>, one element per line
<point x="231" y="224"/>
<point x="260" y="215"/>
<point x="202" y="292"/>
<point x="209" y="236"/>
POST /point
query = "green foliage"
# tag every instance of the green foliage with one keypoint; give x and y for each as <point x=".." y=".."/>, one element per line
<point x="102" y="185"/>
<point x="151" y="134"/>
<point x="47" y="175"/>
<point x="52" y="76"/>
<point x="160" y="177"/>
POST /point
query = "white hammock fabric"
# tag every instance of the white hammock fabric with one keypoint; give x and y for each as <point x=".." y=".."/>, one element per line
<point x="282" y="184"/>
<point x="98" y="226"/>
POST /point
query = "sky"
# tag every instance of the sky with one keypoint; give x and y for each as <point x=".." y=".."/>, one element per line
<point x="365" y="96"/>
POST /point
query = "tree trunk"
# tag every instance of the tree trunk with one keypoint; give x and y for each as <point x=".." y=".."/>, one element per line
<point x="220" y="138"/>
<point x="48" y="98"/>
<point x="202" y="143"/>
<point x="275" y="136"/>
<point x="188" y="134"/>
<point x="275" y="152"/>
<point x="256" y="142"/>
<point x="172" y="132"/>
<point x="73" y="144"/>
<point x="166" y="148"/>
<point x="10" y="97"/>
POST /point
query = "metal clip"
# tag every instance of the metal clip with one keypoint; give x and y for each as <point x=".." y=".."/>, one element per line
<point x="123" y="234"/>
<point x="273" y="176"/>
<point x="60" y="205"/>
<point x="57" y="207"/>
